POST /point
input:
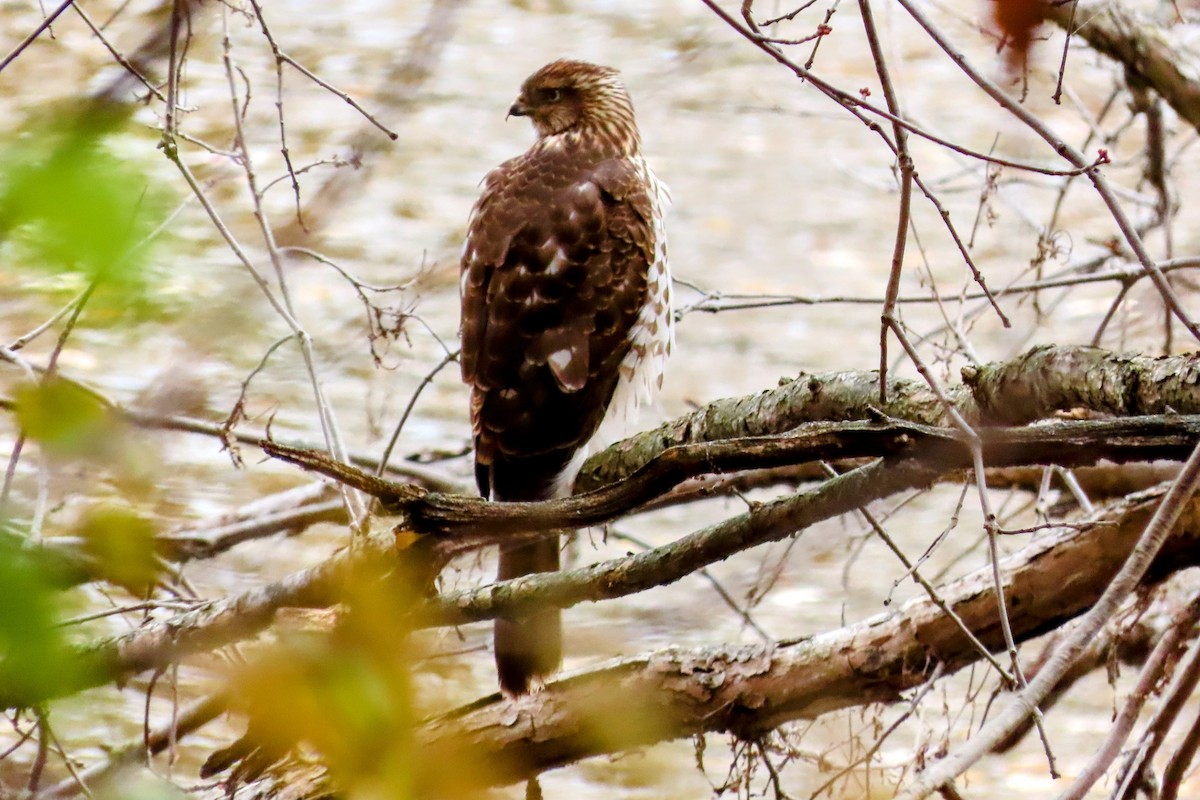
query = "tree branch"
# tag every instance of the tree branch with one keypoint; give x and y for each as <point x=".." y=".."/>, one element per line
<point x="464" y="524"/>
<point x="1042" y="382"/>
<point x="676" y="692"/>
<point x="1140" y="47"/>
<point x="1035" y="384"/>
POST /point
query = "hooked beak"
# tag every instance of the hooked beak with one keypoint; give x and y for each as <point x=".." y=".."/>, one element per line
<point x="518" y="109"/>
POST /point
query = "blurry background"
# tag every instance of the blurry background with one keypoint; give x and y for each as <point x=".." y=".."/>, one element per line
<point x="776" y="190"/>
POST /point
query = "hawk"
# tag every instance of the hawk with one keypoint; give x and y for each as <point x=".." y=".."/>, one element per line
<point x="566" y="314"/>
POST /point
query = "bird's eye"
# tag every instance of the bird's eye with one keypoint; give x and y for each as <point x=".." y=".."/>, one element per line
<point x="553" y="95"/>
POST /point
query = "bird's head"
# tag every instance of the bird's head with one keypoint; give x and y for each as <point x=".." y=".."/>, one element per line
<point x="566" y="96"/>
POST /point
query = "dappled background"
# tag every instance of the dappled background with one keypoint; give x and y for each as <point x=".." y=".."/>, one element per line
<point x="781" y="232"/>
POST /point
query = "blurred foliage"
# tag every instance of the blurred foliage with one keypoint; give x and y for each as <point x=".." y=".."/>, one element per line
<point x="67" y="203"/>
<point x="64" y="418"/>
<point x="35" y="658"/>
<point x="347" y="694"/>
<point x="68" y="422"/>
<point x="139" y="787"/>
<point x="121" y="543"/>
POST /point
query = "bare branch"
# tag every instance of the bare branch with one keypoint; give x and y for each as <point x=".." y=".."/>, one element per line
<point x="1121" y="35"/>
<point x="1021" y="705"/>
<point x="752" y="689"/>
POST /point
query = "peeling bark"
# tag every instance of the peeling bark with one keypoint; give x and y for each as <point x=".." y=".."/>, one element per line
<point x="1045" y="381"/>
<point x="1033" y="386"/>
<point x="748" y="690"/>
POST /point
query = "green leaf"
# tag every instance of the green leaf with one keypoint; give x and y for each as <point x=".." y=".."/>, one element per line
<point x="122" y="544"/>
<point x="63" y="418"/>
<point x="68" y="204"/>
<point x="35" y="660"/>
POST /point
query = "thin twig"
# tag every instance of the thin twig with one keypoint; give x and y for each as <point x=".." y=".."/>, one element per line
<point x="882" y="738"/>
<point x="43" y="748"/>
<point x="706" y="573"/>
<point x="1091" y="169"/>
<point x="1134" y="771"/>
<point x="1167" y="648"/>
<point x="1181" y="760"/>
<point x="852" y="101"/>
<point x="715" y="301"/>
<point x="120" y="59"/>
<point x="35" y="33"/>
<point x="1062" y="65"/>
<point x="905" y="164"/>
<point x="356" y="506"/>
<point x="21" y="341"/>
<point x="283" y="148"/>
<point x="1024" y="703"/>
<point x="412" y="402"/>
<point x="190" y="719"/>
<point x="339" y="93"/>
<point x="931" y="590"/>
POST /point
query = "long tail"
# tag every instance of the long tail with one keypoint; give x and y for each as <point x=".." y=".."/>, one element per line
<point x="531" y="647"/>
<point x="528" y="648"/>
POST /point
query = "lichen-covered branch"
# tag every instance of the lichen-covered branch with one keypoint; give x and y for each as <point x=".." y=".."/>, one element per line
<point x="1043" y="382"/>
<point x="770" y="521"/>
<point x="1035" y="385"/>
<point x="927" y="454"/>
<point x="747" y="690"/>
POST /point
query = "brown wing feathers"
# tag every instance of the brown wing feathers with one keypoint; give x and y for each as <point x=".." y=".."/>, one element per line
<point x="556" y="310"/>
<point x="554" y="277"/>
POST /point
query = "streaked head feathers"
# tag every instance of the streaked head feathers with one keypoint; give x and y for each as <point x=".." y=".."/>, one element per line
<point x="576" y="98"/>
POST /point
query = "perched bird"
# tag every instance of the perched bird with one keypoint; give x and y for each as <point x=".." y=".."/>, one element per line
<point x="566" y="314"/>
